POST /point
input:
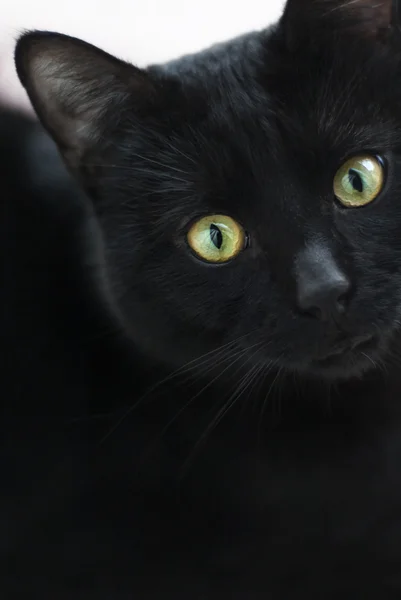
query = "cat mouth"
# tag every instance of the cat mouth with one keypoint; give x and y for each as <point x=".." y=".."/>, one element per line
<point x="353" y="348"/>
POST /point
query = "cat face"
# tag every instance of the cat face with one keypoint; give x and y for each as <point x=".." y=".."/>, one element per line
<point x="247" y="196"/>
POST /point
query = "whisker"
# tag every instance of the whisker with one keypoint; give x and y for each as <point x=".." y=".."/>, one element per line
<point x="227" y="406"/>
<point x="188" y="367"/>
<point x="237" y="357"/>
<point x="178" y="151"/>
<point x="256" y="382"/>
<point x="342" y="6"/>
<point x="166" y="168"/>
<point x="267" y="396"/>
<point x="369" y="358"/>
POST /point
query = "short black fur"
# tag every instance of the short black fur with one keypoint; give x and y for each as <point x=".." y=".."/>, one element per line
<point x="180" y="429"/>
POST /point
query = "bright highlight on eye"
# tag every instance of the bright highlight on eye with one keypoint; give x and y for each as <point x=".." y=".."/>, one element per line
<point x="216" y="238"/>
<point x="359" y="181"/>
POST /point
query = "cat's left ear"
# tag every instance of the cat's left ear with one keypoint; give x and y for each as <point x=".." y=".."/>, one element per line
<point x="77" y="90"/>
<point x="369" y="19"/>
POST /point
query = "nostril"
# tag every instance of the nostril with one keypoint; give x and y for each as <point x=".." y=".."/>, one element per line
<point x="324" y="299"/>
<point x="315" y="312"/>
<point x="342" y="302"/>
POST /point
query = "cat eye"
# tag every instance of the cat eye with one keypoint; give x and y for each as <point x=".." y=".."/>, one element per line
<point x="359" y="181"/>
<point x="216" y="238"/>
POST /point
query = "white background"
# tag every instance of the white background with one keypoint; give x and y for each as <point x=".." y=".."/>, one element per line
<point x="142" y="31"/>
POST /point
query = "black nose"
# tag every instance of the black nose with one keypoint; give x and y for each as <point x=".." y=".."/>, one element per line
<point x="322" y="287"/>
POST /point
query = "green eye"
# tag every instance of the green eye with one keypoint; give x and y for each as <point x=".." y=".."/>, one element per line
<point x="359" y="181"/>
<point x="216" y="238"/>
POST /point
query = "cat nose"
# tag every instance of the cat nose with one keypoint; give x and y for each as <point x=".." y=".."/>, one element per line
<point x="324" y="298"/>
<point x="322" y="286"/>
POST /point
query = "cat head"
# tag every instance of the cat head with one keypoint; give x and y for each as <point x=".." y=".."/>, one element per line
<point x="248" y="196"/>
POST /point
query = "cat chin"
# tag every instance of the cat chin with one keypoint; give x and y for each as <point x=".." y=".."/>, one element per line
<point x="367" y="354"/>
<point x="340" y="372"/>
<point x="349" y="365"/>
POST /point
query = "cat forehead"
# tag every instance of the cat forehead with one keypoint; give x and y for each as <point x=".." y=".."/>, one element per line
<point x="256" y="70"/>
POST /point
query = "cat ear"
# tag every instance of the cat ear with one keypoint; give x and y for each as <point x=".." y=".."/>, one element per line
<point x="76" y="89"/>
<point x="371" y="19"/>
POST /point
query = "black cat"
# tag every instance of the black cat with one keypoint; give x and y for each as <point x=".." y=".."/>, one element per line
<point x="206" y="400"/>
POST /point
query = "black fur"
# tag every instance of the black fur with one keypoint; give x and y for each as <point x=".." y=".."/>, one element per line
<point x="178" y="429"/>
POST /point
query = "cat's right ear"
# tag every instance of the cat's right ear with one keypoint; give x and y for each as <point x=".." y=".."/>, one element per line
<point x="77" y="90"/>
<point x="372" y="20"/>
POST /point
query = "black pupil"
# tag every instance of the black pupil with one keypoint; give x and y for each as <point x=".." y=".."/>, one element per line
<point x="216" y="236"/>
<point x="355" y="180"/>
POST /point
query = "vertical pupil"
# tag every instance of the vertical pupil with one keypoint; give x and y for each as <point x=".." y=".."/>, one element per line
<point x="355" y="180"/>
<point x="216" y="236"/>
